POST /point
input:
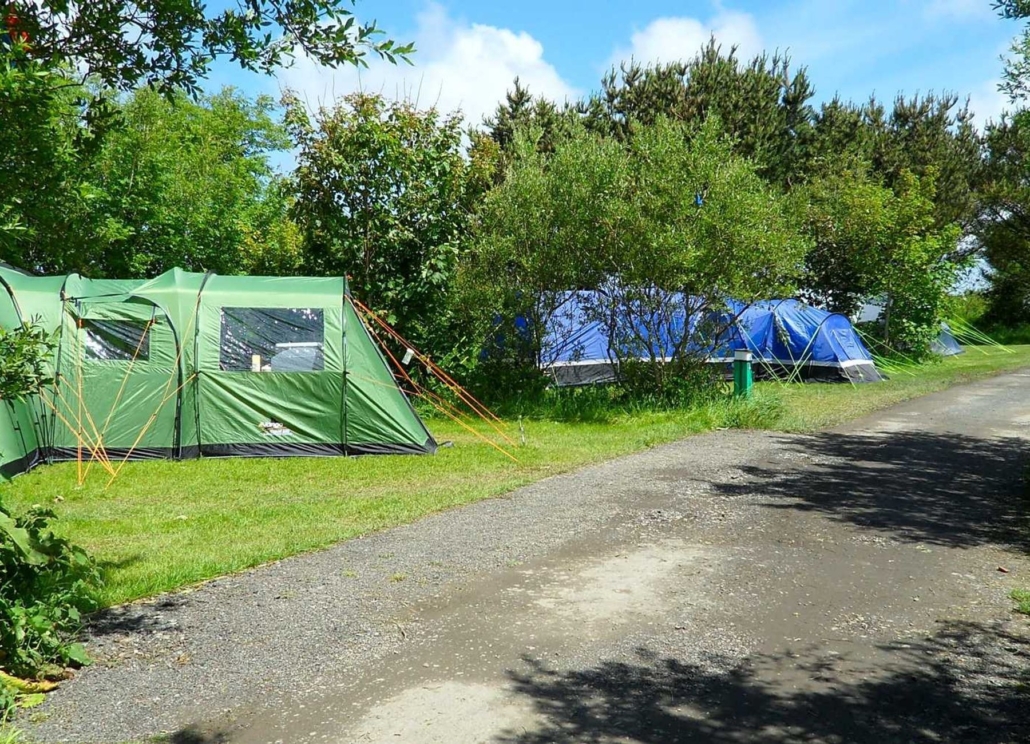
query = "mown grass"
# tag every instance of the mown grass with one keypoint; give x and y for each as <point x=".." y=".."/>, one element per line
<point x="809" y="407"/>
<point x="165" y="525"/>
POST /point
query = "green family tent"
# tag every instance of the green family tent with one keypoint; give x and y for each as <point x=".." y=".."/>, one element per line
<point x="187" y="365"/>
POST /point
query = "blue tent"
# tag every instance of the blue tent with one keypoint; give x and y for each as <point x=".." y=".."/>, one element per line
<point x="577" y="349"/>
<point x="787" y="338"/>
<point x="945" y="344"/>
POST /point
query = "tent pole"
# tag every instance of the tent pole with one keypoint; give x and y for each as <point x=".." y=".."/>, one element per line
<point x="176" y="375"/>
<point x="196" y="365"/>
<point x="343" y="346"/>
<point x="78" y="384"/>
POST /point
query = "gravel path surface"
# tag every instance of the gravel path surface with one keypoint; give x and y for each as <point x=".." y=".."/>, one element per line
<point x="733" y="587"/>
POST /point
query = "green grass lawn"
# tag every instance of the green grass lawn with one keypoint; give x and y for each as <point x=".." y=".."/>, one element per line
<point x="165" y="525"/>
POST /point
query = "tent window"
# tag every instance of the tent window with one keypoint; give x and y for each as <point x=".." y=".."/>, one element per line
<point x="116" y="340"/>
<point x="272" y="340"/>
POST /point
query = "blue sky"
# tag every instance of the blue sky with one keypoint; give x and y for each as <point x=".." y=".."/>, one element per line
<point x="469" y="52"/>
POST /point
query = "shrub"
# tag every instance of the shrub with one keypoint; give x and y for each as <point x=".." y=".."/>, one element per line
<point x="46" y="584"/>
<point x="24" y="355"/>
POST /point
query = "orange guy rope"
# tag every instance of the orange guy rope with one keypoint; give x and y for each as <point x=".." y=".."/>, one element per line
<point x="442" y="410"/>
<point x="121" y="388"/>
<point x="167" y="395"/>
<point x="477" y="406"/>
<point x="481" y="410"/>
<point x="89" y="419"/>
<point x="146" y="427"/>
<point x="433" y="367"/>
<point x="72" y="429"/>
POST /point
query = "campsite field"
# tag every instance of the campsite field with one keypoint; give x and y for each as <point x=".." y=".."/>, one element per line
<point x="165" y="525"/>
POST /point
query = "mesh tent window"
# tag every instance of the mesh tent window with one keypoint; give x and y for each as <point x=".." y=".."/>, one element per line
<point x="116" y="340"/>
<point x="272" y="340"/>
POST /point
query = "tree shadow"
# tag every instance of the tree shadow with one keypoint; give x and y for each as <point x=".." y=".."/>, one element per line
<point x="148" y="617"/>
<point x="193" y="735"/>
<point x="107" y="566"/>
<point x="944" y="489"/>
<point x="967" y="683"/>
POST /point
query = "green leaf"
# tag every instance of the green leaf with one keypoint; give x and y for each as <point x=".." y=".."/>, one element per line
<point x="76" y="653"/>
<point x="21" y="539"/>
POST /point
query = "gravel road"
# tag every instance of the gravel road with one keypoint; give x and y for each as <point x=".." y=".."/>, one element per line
<point x="848" y="586"/>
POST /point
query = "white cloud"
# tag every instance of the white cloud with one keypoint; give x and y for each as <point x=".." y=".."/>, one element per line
<point x="960" y="9"/>
<point x="988" y="103"/>
<point x="458" y="65"/>
<point x="680" y="38"/>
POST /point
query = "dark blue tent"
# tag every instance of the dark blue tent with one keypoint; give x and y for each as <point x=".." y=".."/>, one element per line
<point x="790" y="338"/>
<point x="787" y="338"/>
<point x="945" y="344"/>
<point x="578" y="349"/>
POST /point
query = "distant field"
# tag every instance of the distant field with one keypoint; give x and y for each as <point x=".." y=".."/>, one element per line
<point x="165" y="525"/>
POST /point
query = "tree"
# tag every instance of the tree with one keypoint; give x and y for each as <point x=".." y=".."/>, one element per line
<point x="383" y="194"/>
<point x="272" y="243"/>
<point x="916" y="135"/>
<point x="669" y="225"/>
<point x="932" y="133"/>
<point x="522" y="111"/>
<point x="1004" y="224"/>
<point x="493" y="145"/>
<point x="176" y="183"/>
<point x="1003" y="228"/>
<point x="136" y="205"/>
<point x="171" y="44"/>
<point x="702" y="227"/>
<point x="1016" y="77"/>
<point x="871" y="241"/>
<point x="841" y="133"/>
<point x="550" y="226"/>
<point x="763" y="104"/>
<point x="46" y="144"/>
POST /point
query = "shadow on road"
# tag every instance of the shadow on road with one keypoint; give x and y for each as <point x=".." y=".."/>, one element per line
<point x="134" y="619"/>
<point x="196" y="736"/>
<point x="968" y="682"/>
<point x="944" y="489"/>
<point x="965" y="684"/>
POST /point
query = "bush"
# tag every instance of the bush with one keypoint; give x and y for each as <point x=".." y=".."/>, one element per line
<point x="1009" y="335"/>
<point x="969" y="307"/>
<point x="45" y="581"/>
<point x="680" y="383"/>
<point x="25" y="352"/>
<point x="46" y="584"/>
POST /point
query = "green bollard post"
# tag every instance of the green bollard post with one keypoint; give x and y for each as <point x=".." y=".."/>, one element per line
<point x="743" y="375"/>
